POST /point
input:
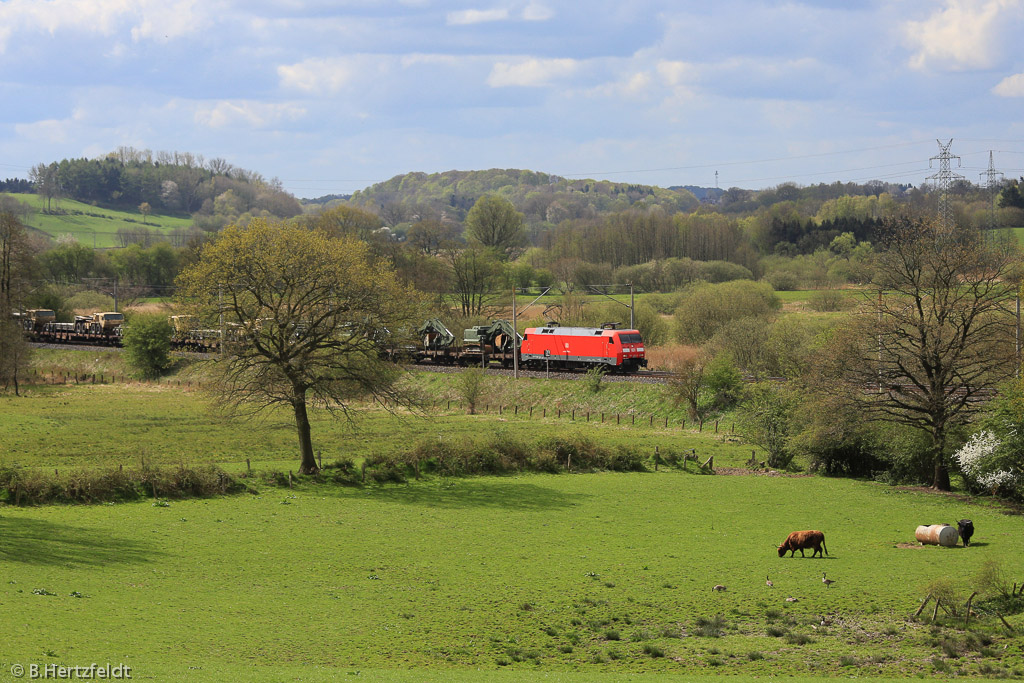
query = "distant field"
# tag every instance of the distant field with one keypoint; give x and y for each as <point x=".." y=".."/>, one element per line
<point x="94" y="226"/>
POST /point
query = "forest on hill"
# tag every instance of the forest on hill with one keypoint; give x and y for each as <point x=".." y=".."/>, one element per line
<point x="570" y="232"/>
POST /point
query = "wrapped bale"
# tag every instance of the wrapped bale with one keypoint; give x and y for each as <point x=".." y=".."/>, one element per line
<point x="937" y="534"/>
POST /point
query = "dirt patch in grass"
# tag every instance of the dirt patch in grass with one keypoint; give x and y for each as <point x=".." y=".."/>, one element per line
<point x="743" y="471"/>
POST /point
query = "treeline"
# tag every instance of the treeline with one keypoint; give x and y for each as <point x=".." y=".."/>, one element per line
<point x="168" y="182"/>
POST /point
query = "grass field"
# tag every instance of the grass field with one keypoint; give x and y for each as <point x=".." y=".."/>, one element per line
<point x="91" y="225"/>
<point x="556" y="577"/>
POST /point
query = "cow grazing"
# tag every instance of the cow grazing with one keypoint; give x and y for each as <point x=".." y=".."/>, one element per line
<point x="799" y="540"/>
<point x="966" y="529"/>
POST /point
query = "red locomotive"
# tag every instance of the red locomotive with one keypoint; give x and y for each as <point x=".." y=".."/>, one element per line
<point x="582" y="347"/>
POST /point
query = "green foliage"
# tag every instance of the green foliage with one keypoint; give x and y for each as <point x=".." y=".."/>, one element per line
<point x="494" y="223"/>
<point x="829" y="301"/>
<point x="470" y="386"/>
<point x="706" y="308"/>
<point x="765" y="418"/>
<point x="147" y="344"/>
<point x="88" y="300"/>
<point x="724" y="380"/>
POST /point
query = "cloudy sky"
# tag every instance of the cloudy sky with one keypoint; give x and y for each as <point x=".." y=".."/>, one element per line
<point x="330" y="96"/>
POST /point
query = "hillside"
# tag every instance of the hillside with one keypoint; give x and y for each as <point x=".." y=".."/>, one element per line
<point x="540" y="196"/>
<point x="98" y="227"/>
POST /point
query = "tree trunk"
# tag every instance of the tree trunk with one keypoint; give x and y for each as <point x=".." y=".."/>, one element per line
<point x="308" y="464"/>
<point x="940" y="475"/>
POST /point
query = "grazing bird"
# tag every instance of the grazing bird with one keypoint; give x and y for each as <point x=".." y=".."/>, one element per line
<point x="801" y="540"/>
<point x="792" y="599"/>
<point x="718" y="587"/>
<point x="768" y="582"/>
<point x="827" y="582"/>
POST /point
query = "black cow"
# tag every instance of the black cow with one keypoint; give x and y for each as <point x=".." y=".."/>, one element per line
<point x="966" y="529"/>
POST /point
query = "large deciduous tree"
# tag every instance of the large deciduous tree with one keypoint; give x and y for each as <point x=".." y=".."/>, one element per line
<point x="938" y="334"/>
<point x="493" y="222"/>
<point x="309" y="313"/>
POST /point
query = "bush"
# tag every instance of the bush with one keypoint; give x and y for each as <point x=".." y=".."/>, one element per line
<point x="91" y="302"/>
<point x="782" y="280"/>
<point x="470" y="386"/>
<point x="21" y="486"/>
<point x="829" y="301"/>
<point x="147" y="344"/>
<point x="707" y="307"/>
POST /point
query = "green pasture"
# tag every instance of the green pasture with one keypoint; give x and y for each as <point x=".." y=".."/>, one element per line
<point x="91" y="225"/>
<point x="69" y="426"/>
<point x="593" y="575"/>
<point x="569" y="577"/>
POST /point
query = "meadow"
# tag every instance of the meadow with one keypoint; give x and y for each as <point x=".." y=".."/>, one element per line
<point x="94" y="226"/>
<point x="562" y="577"/>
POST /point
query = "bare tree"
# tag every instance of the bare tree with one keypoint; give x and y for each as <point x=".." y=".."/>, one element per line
<point x="938" y="335"/>
<point x="15" y="261"/>
<point x="474" y="272"/>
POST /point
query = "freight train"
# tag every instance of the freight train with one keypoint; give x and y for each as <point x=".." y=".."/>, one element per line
<point x="550" y="347"/>
<point x="40" y="325"/>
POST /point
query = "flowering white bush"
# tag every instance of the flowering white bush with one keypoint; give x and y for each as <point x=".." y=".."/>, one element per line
<point x="975" y="452"/>
<point x="977" y="459"/>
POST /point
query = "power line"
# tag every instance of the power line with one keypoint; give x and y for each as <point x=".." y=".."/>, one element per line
<point x="944" y="178"/>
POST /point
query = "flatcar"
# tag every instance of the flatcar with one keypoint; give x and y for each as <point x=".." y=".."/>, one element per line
<point x="606" y="347"/>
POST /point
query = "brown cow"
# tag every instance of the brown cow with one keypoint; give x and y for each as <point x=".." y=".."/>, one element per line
<point x="798" y="540"/>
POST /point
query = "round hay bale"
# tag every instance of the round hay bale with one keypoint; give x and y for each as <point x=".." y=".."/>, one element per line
<point x="937" y="534"/>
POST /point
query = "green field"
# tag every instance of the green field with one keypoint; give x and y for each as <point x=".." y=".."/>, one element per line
<point x="570" y="577"/>
<point x="91" y="225"/>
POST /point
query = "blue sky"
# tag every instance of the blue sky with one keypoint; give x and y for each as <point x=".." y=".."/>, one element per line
<point x="331" y="96"/>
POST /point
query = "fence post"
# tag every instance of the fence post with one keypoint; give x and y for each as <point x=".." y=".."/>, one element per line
<point x="716" y="426"/>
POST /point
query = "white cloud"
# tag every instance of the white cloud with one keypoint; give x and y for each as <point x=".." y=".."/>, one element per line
<point x="530" y="72"/>
<point x="48" y="131"/>
<point x="246" y="113"/>
<point x="317" y="75"/>
<point x="476" y="16"/>
<point x="964" y="35"/>
<point x="1011" y="86"/>
<point x="144" y="19"/>
<point x="536" y="11"/>
<point x="675" y="72"/>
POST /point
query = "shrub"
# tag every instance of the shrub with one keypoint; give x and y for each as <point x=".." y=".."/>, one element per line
<point x="782" y="280"/>
<point x="828" y="301"/>
<point x="470" y="386"/>
<point x="707" y="307"/>
<point x="147" y="344"/>
<point x="23" y="486"/>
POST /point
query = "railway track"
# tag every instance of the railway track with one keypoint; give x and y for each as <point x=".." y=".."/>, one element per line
<point x="643" y="376"/>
